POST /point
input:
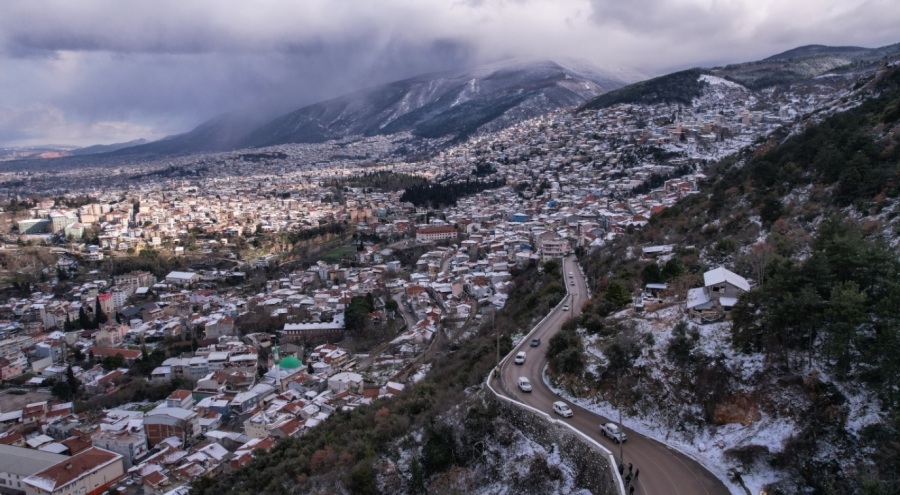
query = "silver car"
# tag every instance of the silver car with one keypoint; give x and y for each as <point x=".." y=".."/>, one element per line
<point x="563" y="409"/>
<point x="524" y="384"/>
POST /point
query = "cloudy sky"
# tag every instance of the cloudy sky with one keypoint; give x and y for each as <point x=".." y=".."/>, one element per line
<point x="101" y="71"/>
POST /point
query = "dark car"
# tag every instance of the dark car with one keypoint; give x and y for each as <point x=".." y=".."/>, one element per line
<point x="535" y="342"/>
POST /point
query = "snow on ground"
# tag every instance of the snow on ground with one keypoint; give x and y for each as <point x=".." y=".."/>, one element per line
<point x="650" y="427"/>
<point x="419" y="375"/>
<point x="517" y="460"/>
<point x="709" y="444"/>
<point x="863" y="406"/>
<point x="718" y="81"/>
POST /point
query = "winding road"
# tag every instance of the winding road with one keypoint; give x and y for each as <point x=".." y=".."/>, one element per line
<point x="663" y="471"/>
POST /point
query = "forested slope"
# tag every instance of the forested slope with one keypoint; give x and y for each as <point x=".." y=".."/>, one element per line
<point x="812" y="218"/>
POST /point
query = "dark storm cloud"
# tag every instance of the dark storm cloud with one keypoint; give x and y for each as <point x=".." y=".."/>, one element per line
<point x="174" y="68"/>
<point x="106" y="70"/>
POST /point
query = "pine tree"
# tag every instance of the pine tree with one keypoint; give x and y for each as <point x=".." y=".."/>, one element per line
<point x="74" y="383"/>
<point x="84" y="320"/>
<point x="99" y="316"/>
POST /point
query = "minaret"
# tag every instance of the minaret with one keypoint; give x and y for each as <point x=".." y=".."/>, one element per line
<point x="277" y="359"/>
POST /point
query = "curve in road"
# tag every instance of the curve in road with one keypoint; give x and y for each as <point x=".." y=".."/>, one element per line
<point x="662" y="469"/>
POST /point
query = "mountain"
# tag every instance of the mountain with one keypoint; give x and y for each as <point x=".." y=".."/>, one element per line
<point x="448" y="104"/>
<point x="106" y="148"/>
<point x="677" y="87"/>
<point x="453" y="104"/>
<point x="801" y="63"/>
<point x="217" y="134"/>
<point x="796" y="65"/>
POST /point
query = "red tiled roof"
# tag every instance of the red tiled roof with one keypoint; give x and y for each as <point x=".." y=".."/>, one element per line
<point x="112" y="375"/>
<point x="436" y="230"/>
<point x="112" y="351"/>
<point x="71" y="469"/>
<point x="11" y="437"/>
<point x="155" y="479"/>
<point x="180" y="394"/>
<point x="77" y="444"/>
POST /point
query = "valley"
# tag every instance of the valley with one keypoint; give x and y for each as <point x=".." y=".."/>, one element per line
<point x="425" y="256"/>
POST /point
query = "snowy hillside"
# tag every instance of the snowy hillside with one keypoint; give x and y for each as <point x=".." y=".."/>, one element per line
<point x="448" y="104"/>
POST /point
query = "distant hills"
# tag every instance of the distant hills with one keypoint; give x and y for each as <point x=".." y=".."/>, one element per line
<point x="454" y="105"/>
<point x="106" y="148"/>
<point x="450" y="104"/>
<point x="795" y="65"/>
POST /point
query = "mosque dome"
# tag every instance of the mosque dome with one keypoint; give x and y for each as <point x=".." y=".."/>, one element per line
<point x="289" y="363"/>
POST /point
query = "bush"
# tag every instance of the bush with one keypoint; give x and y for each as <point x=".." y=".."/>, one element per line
<point x="437" y="451"/>
<point x="570" y="361"/>
<point x="617" y="294"/>
<point x="362" y="480"/>
<point x="684" y="339"/>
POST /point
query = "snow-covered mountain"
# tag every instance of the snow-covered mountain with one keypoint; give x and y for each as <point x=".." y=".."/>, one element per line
<point x="452" y="104"/>
<point x="448" y="104"/>
<point x="797" y="66"/>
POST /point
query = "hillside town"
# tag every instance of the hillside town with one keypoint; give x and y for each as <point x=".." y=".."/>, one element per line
<point x="247" y="349"/>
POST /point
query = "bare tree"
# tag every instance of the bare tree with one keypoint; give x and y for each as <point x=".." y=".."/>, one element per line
<point x="758" y="258"/>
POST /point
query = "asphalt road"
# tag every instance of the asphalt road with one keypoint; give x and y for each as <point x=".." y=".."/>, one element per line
<point x="662" y="471"/>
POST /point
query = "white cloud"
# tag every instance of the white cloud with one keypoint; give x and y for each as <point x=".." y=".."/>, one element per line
<point x="42" y="124"/>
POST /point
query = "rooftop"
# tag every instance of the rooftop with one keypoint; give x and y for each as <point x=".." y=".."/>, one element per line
<point x="71" y="469"/>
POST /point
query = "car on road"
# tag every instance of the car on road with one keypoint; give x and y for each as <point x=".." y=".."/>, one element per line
<point x="520" y="358"/>
<point x="614" y="432"/>
<point x="524" y="384"/>
<point x="566" y="307"/>
<point x="563" y="409"/>
<point x="535" y="342"/>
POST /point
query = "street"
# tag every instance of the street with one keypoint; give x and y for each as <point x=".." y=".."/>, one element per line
<point x="663" y="471"/>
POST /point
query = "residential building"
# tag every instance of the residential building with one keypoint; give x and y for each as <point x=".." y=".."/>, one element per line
<point x="433" y="234"/>
<point x="18" y="463"/>
<point x="164" y="422"/>
<point x="90" y="472"/>
<point x="130" y="443"/>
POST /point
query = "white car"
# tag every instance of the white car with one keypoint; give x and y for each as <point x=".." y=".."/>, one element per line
<point x="563" y="409"/>
<point x="520" y="358"/>
<point x="524" y="384"/>
<point x="614" y="432"/>
<point x="566" y="307"/>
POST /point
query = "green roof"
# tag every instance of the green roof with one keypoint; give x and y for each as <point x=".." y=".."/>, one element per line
<point x="290" y="363"/>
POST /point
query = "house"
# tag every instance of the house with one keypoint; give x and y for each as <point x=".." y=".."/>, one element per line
<point x="345" y="381"/>
<point x="720" y="292"/>
<point x="105" y="384"/>
<point x="181" y="399"/>
<point x="110" y="335"/>
<point x="12" y="366"/>
<point x="164" y="422"/>
<point x="17" y="463"/>
<point x="432" y="234"/>
<point x="130" y="442"/>
<point x="90" y="472"/>
<point x="186" y="279"/>
<point x="130" y="355"/>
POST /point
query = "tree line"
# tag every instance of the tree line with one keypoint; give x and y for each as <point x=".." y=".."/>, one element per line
<point x="437" y="195"/>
